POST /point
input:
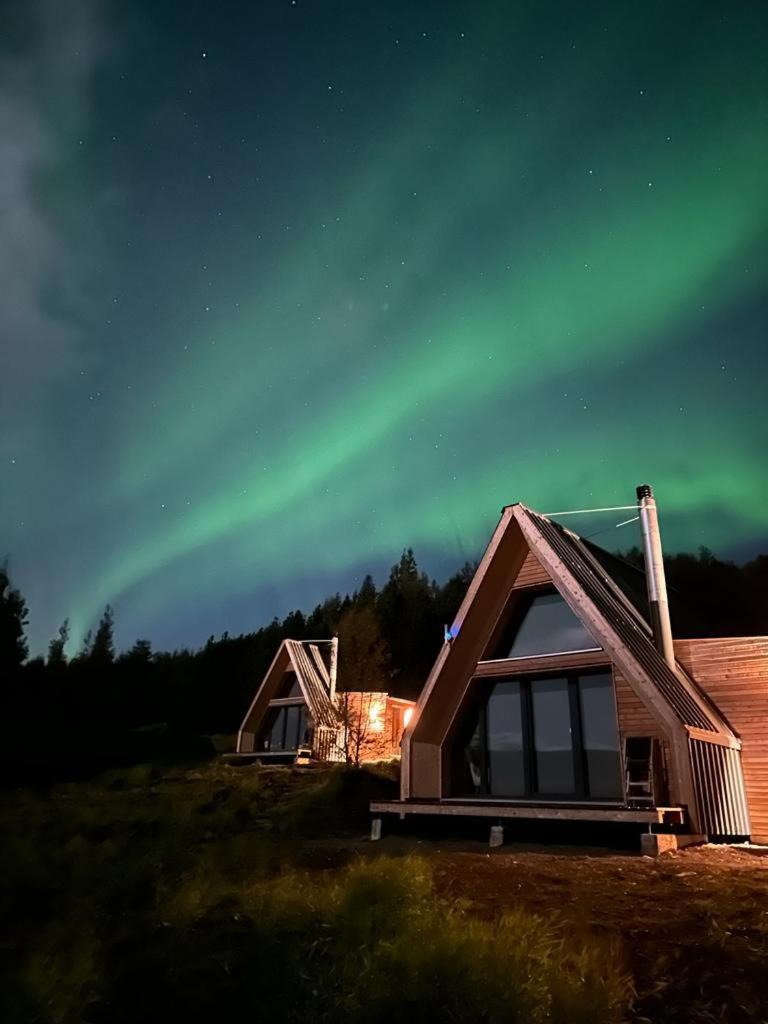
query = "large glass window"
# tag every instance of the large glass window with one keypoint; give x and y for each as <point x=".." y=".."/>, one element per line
<point x="290" y="686"/>
<point x="470" y="771"/>
<point x="548" y="737"/>
<point x="553" y="736"/>
<point x="544" y="625"/>
<point x="285" y="728"/>
<point x="600" y="735"/>
<point x="506" y="763"/>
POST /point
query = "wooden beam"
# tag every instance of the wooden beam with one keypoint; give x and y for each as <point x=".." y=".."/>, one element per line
<point x="542" y="663"/>
<point x="459" y="648"/>
<point x="713" y="737"/>
<point x="654" y="815"/>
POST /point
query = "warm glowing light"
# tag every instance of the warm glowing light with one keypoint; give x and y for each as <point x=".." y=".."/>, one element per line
<point x="407" y="716"/>
<point x="376" y="718"/>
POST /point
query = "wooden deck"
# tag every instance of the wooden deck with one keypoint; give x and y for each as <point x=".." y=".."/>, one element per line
<point x="501" y="810"/>
<point x="262" y="757"/>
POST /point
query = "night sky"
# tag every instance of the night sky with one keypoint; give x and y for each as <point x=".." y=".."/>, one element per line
<point x="288" y="286"/>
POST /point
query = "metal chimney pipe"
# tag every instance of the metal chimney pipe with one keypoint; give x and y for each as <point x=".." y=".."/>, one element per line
<point x="333" y="667"/>
<point x="654" y="574"/>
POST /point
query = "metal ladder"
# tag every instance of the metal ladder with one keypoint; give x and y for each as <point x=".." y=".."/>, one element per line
<point x="639" y="769"/>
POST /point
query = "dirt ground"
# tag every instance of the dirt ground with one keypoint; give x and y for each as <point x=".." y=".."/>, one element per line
<point x="692" y="925"/>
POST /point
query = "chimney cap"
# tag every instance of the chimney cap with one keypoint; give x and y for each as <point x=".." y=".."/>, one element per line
<point x="644" y="491"/>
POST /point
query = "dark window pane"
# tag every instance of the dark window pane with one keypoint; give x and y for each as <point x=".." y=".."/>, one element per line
<point x="506" y="764"/>
<point x="291" y="727"/>
<point x="548" y="627"/>
<point x="472" y="768"/>
<point x="600" y="735"/>
<point x="263" y="741"/>
<point x="276" y="734"/>
<point x="290" y="686"/>
<point x="303" y="731"/>
<point x="552" y="737"/>
<point x="467" y="756"/>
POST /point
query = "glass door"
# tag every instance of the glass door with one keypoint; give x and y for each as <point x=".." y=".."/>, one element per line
<point x="506" y="750"/>
<point x="553" y="739"/>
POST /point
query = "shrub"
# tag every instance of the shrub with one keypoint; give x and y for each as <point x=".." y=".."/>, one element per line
<point x="372" y="944"/>
<point x="177" y="902"/>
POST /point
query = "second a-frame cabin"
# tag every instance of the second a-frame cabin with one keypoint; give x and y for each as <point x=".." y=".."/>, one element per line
<point x="560" y="693"/>
<point x="298" y="714"/>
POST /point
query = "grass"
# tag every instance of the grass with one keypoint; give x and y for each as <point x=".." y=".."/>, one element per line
<point x="189" y="895"/>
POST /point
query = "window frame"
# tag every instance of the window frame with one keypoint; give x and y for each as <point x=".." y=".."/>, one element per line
<point x="532" y="794"/>
<point x="274" y="711"/>
<point x="511" y="619"/>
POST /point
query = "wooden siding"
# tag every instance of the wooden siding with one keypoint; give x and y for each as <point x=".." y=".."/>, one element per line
<point x="532" y="573"/>
<point x="734" y="674"/>
<point x="635" y="718"/>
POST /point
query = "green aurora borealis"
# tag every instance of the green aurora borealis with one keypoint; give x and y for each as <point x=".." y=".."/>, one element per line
<point x="321" y="281"/>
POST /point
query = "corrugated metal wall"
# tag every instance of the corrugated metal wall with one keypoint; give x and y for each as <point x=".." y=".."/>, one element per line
<point x="719" y="783"/>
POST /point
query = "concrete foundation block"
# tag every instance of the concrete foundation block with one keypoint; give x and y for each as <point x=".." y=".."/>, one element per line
<point x="497" y="835"/>
<point x="375" y="829"/>
<point x="653" y="844"/>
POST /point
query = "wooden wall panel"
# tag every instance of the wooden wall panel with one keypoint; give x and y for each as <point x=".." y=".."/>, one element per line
<point x="532" y="573"/>
<point x="635" y="719"/>
<point x="733" y="672"/>
<point x="425" y="771"/>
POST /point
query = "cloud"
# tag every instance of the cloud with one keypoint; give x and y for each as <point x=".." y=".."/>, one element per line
<point x="43" y="102"/>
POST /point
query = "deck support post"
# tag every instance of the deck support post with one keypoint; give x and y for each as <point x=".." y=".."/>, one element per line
<point x="497" y="835"/>
<point x="375" y="829"/>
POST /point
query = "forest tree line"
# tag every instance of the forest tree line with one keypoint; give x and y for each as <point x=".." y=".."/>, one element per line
<point x="388" y="640"/>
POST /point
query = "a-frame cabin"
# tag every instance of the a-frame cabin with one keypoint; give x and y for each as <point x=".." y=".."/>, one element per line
<point x="298" y="713"/>
<point x="554" y="697"/>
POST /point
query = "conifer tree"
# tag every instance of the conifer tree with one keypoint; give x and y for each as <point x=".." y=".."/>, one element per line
<point x="141" y="651"/>
<point x="103" y="649"/>
<point x="13" y="621"/>
<point x="57" y="659"/>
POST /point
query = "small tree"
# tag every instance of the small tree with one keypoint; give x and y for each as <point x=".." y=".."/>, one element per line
<point x="356" y="724"/>
<point x="363" y="668"/>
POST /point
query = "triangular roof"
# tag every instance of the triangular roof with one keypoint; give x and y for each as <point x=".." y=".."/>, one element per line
<point x="573" y="568"/>
<point x="305" y="659"/>
<point x="630" y="578"/>
<point x="595" y="597"/>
